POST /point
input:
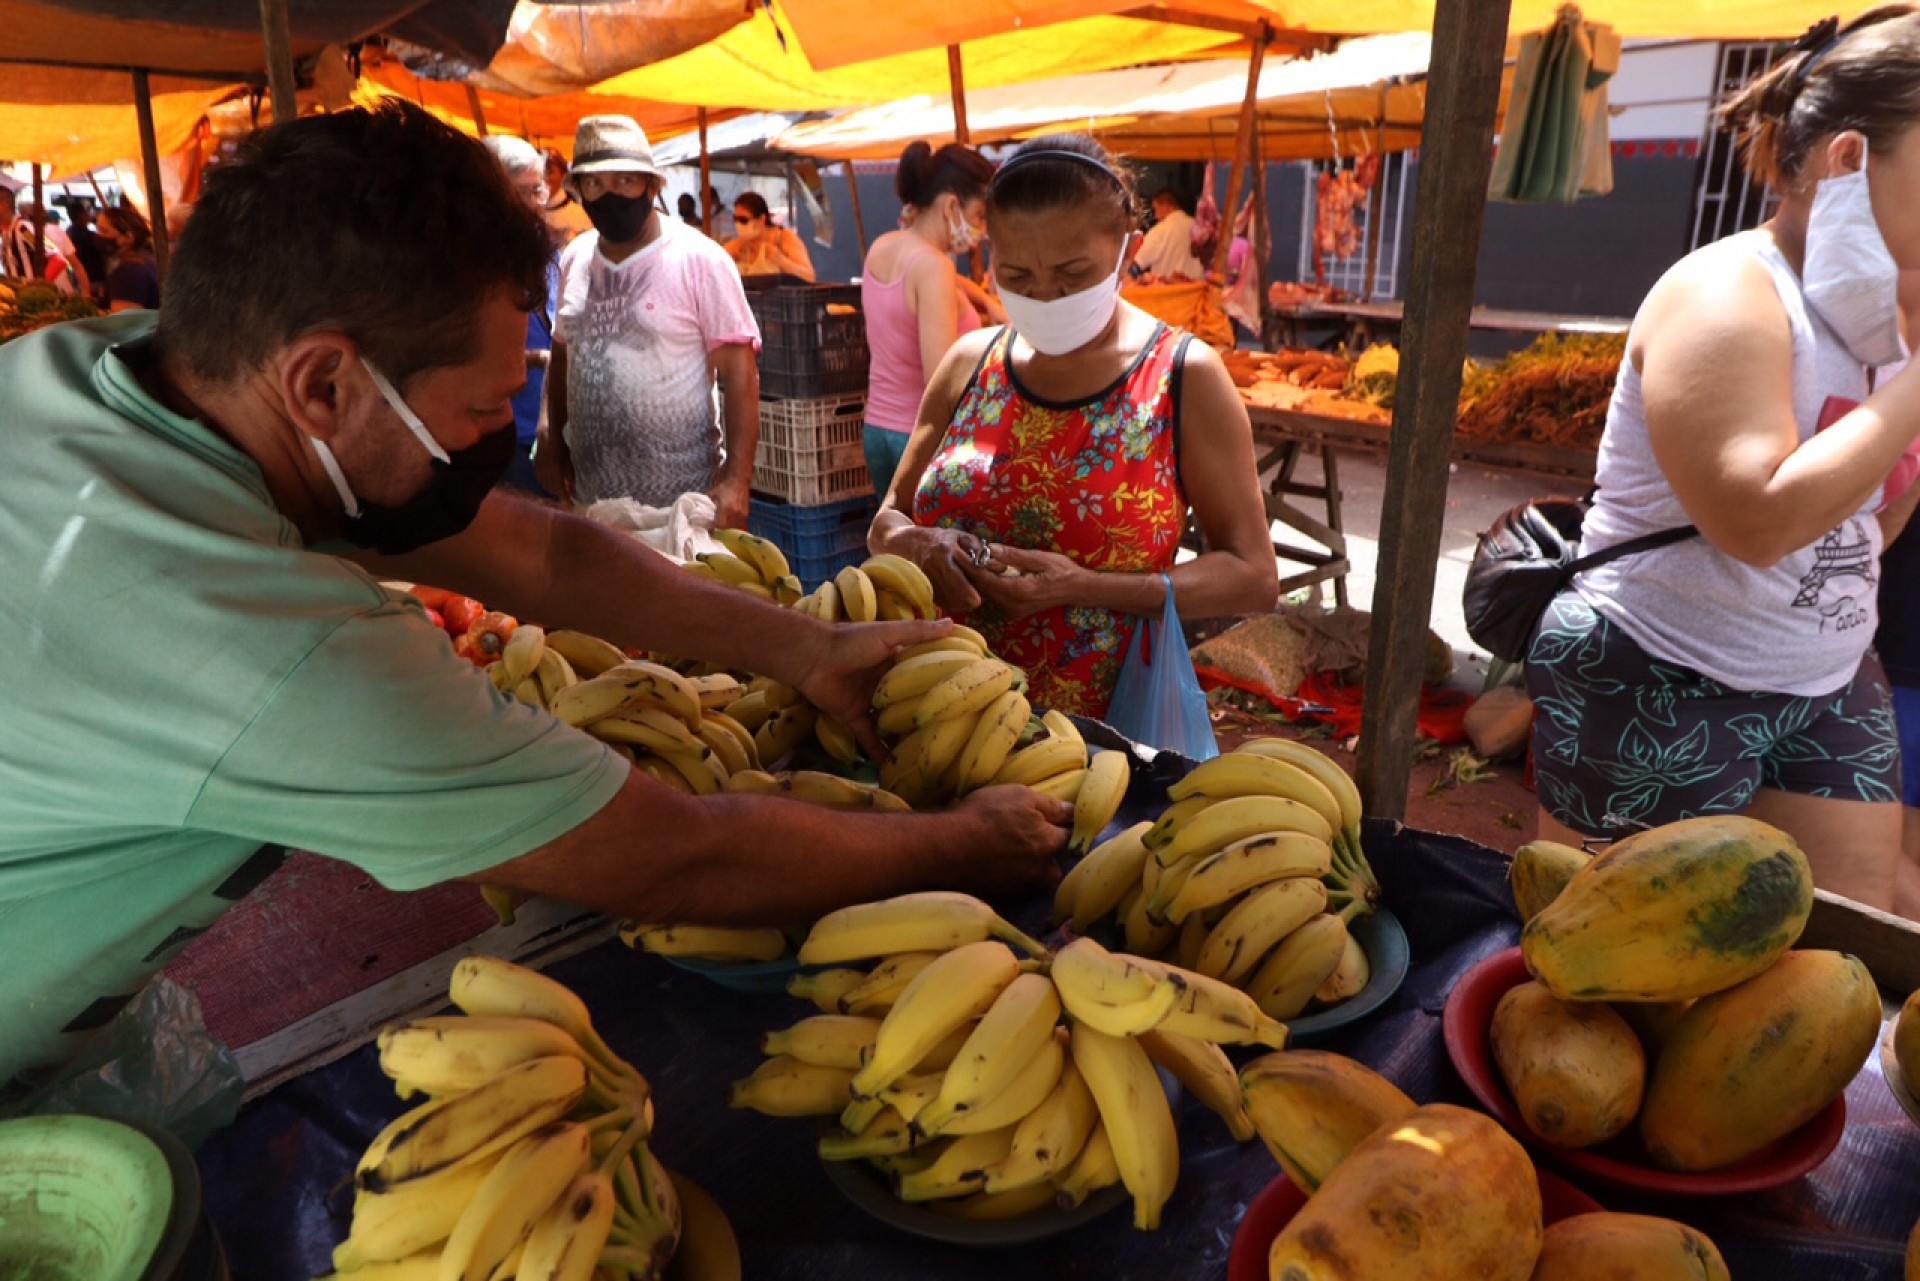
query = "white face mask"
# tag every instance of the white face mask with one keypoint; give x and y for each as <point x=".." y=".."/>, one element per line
<point x="1851" y="281"/>
<point x="1069" y="323"/>
<point x="400" y="407"/>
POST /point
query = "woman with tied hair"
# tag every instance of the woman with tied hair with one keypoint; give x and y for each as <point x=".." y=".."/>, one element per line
<point x="761" y="246"/>
<point x="1731" y="671"/>
<point x="910" y="294"/>
<point x="1050" y="475"/>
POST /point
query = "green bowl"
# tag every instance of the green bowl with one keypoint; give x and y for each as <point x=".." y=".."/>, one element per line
<point x="84" y="1199"/>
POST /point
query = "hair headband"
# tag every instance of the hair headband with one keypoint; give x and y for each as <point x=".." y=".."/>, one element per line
<point x="1055" y="153"/>
<point x="1816" y="42"/>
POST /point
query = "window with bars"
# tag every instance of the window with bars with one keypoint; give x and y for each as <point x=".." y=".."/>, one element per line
<point x="1373" y="272"/>
<point x="1728" y="200"/>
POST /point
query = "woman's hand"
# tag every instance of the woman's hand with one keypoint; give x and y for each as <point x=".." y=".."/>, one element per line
<point x="1022" y="581"/>
<point x="945" y="556"/>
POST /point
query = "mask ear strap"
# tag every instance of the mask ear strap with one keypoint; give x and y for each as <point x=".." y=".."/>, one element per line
<point x="407" y="416"/>
<point x="338" y="477"/>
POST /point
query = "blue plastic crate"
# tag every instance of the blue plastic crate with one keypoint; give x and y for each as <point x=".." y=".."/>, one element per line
<point x="819" y="541"/>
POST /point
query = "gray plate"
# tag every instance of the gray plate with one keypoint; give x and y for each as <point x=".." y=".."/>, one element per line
<point x="1383" y="939"/>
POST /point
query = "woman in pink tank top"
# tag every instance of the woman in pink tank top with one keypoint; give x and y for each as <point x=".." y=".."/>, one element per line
<point x="910" y="292"/>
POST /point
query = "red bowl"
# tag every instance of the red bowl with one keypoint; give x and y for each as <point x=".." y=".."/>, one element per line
<point x="1620" y="1161"/>
<point x="1280" y="1200"/>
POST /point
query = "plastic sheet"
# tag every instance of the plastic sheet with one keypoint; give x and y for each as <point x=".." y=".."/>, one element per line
<point x="269" y="1179"/>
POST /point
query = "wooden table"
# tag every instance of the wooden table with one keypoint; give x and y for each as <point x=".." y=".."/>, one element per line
<point x="1280" y="436"/>
<point x="1365" y="320"/>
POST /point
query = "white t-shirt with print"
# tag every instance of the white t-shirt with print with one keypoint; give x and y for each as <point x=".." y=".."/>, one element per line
<point x="642" y="415"/>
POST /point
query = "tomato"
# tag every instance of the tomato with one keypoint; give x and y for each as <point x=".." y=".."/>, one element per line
<point x="433" y="616"/>
<point x="431" y="597"/>
<point x="461" y="613"/>
<point x="491" y="631"/>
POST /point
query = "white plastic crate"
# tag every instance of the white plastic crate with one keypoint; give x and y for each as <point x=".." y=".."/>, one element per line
<point x="810" y="450"/>
<point x="809" y="425"/>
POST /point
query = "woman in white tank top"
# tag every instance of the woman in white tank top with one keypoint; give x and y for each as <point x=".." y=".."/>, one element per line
<point x="1733" y="672"/>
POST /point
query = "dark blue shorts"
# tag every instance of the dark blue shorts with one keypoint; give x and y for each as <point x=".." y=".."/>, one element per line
<point x="1622" y="740"/>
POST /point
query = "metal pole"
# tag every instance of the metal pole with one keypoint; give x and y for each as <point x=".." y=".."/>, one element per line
<point x="707" y="212"/>
<point x="478" y="112"/>
<point x="279" y="53"/>
<point x="957" y="86"/>
<point x="150" y="165"/>
<point x="1450" y="205"/>
<point x="859" y="223"/>
<point x="1243" y="139"/>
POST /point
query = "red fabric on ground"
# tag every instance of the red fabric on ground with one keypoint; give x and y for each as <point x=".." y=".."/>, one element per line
<point x="1326" y="699"/>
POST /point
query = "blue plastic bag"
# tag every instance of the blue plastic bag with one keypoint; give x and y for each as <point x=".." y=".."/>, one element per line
<point x="1158" y="700"/>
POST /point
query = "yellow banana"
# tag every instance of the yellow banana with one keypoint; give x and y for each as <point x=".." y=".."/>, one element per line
<point x="708" y="942"/>
<point x="634" y="681"/>
<point x="1257" y="923"/>
<point x="514" y="1196"/>
<point x="784" y="1086"/>
<point x="529" y="692"/>
<point x="768" y="561"/>
<point x="1240" y="867"/>
<point x="649" y="1232"/>
<point x="1134" y="1111"/>
<point x="786" y="590"/>
<point x="891" y="608"/>
<point x="409" y="1217"/>
<point x="1193" y="937"/>
<point x="1060" y="726"/>
<point x="912" y="677"/>
<point x="923" y="765"/>
<point x="1348" y="977"/>
<point x="1027" y="1090"/>
<point x="1321" y="766"/>
<point x="588" y="655"/>
<point x="1248" y="774"/>
<point x="837" y="740"/>
<point x="992" y="740"/>
<point x="966" y="692"/>
<point x="734" y="756"/>
<point x="1099" y="798"/>
<point x="830" y="790"/>
<point x="1210" y="1010"/>
<point x="877" y="990"/>
<point x="784" y="731"/>
<point x="826" y="603"/>
<point x="928" y="921"/>
<point x="955" y="987"/>
<point x="960" y="1168"/>
<point x="1206" y="1071"/>
<point x="895" y="721"/>
<point x="1172" y="817"/>
<point x="521" y="654"/>
<point x="716" y="689"/>
<point x="660" y="772"/>
<point x="565" y="1242"/>
<point x="487" y="985"/>
<point x="451" y="1055"/>
<point x="904" y="579"/>
<point x="467" y="1127"/>
<point x="1062" y="787"/>
<point x="825" y="1040"/>
<point x="856" y="595"/>
<point x="732" y="570"/>
<point x="750" y="711"/>
<point x="1009" y="1034"/>
<point x="1224" y="822"/>
<point x="710" y="721"/>
<point x="1111" y="991"/>
<point x="825" y="987"/>
<point x="1295" y="969"/>
<point x="1037" y="762"/>
<point x="1047" y="1139"/>
<point x="1145" y="936"/>
<point x="1092" y="1170"/>
<point x="553" y="674"/>
<point x="1098" y="882"/>
<point x="646" y="727"/>
<point x="945" y="645"/>
<point x="887" y="1134"/>
<point x="702" y="769"/>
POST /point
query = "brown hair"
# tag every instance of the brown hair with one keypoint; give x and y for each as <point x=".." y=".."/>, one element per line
<point x="1064" y="170"/>
<point x="1864" y="77"/>
<point x="130" y="221"/>
<point x="382" y="224"/>
<point x="925" y="174"/>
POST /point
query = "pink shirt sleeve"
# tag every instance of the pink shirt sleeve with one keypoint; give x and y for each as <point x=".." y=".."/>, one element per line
<point x="721" y="302"/>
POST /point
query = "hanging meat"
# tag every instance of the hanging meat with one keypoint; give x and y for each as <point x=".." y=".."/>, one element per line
<point x="1338" y="196"/>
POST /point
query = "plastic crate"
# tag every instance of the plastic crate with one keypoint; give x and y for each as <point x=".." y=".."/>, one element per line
<point x="819" y="540"/>
<point x="806" y="353"/>
<point x="810" y="451"/>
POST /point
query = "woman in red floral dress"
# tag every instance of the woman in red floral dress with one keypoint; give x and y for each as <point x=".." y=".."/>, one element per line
<point x="1048" y="483"/>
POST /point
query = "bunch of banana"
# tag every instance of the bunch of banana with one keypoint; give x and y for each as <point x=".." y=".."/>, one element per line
<point x="886" y="588"/>
<point x="1251" y="877"/>
<point x="751" y="564"/>
<point x="529" y="1158"/>
<point x="991" y="1085"/>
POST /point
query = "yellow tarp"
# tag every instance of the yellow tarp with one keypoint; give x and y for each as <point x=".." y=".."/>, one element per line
<point x="746" y="68"/>
<point x="836" y="34"/>
<point x="73" y="121"/>
<point x="561" y="49"/>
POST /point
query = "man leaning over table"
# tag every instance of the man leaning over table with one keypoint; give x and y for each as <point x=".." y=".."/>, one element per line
<point x="198" y="509"/>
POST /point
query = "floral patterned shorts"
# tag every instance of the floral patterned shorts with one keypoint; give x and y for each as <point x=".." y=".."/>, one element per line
<point x="1622" y="740"/>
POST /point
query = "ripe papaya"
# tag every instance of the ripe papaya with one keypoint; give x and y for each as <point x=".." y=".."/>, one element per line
<point x="1541" y="869"/>
<point x="1682" y="910"/>
<point x="1651" y="1021"/>
<point x="1627" y="1247"/>
<point x="1906" y="1043"/>
<point x="1441" y="1194"/>
<point x="1312" y="1107"/>
<point x="1745" y="1066"/>
<point x="1576" y="1070"/>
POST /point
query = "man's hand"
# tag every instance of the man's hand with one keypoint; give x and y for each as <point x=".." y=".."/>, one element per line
<point x="1038" y="580"/>
<point x="1025" y="834"/>
<point x="731" y="500"/>
<point x="848" y="660"/>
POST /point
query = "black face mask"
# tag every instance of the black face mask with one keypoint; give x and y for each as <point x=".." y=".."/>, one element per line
<point x="618" y="218"/>
<point x="446" y="506"/>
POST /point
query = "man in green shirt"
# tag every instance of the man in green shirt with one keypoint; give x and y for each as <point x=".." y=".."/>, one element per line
<point x="196" y="512"/>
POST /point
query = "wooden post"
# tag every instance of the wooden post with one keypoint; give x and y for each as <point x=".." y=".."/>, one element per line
<point x="1450" y="205"/>
<point x="478" y="112"/>
<point x="1259" y="238"/>
<point x="859" y="223"/>
<point x="39" y="223"/>
<point x="1244" y="139"/>
<point x="279" y="52"/>
<point x="957" y="88"/>
<point x="150" y="166"/>
<point x="707" y="211"/>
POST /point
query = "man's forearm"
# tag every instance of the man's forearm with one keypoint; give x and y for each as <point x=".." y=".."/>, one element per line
<point x="739" y="376"/>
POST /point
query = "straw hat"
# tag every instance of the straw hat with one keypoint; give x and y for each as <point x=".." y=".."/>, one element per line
<point x="611" y="144"/>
